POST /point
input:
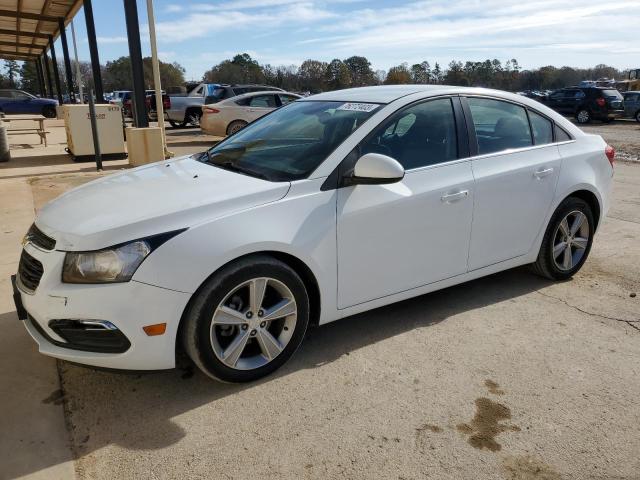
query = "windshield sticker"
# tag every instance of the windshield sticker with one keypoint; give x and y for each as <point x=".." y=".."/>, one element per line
<point x="358" y="107"/>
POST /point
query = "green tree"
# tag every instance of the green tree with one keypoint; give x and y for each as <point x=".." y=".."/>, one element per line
<point x="455" y="75"/>
<point x="117" y="74"/>
<point x="337" y="75"/>
<point x="360" y="71"/>
<point x="421" y="73"/>
<point x="29" y="78"/>
<point x="398" y="75"/>
<point x="241" y="69"/>
<point x="12" y="70"/>
<point x="312" y="74"/>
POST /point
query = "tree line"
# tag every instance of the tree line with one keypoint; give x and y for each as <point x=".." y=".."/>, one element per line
<point x="116" y="75"/>
<point x="317" y="76"/>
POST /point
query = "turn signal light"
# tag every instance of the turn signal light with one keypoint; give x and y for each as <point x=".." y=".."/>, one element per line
<point x="610" y="152"/>
<point x="153" y="330"/>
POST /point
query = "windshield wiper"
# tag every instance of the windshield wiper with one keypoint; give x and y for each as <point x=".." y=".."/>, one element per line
<point x="235" y="168"/>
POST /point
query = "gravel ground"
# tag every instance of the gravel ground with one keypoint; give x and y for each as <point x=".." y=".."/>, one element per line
<point x="623" y="135"/>
<point x="508" y="377"/>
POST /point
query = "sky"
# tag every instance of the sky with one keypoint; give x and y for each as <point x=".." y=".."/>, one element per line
<point x="200" y="33"/>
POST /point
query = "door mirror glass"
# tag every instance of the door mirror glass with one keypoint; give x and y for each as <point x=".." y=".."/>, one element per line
<point x="375" y="169"/>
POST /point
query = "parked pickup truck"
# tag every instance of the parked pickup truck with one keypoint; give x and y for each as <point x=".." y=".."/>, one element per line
<point x="186" y="107"/>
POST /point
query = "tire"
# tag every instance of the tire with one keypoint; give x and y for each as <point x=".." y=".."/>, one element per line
<point x="209" y="344"/>
<point x="564" y="265"/>
<point x="192" y="117"/>
<point x="175" y="124"/>
<point x="49" y="112"/>
<point x="236" y="126"/>
<point x="583" y="116"/>
<point x="638" y="116"/>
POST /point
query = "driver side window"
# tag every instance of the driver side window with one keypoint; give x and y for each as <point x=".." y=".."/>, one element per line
<point x="420" y="135"/>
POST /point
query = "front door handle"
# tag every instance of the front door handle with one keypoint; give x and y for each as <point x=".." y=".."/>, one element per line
<point x="543" y="173"/>
<point x="454" y="197"/>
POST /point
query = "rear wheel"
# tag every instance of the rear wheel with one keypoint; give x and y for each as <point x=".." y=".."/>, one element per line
<point x="192" y="117"/>
<point x="583" y="116"/>
<point x="247" y="320"/>
<point x="175" y="124"/>
<point x="49" y="112"/>
<point x="236" y="126"/>
<point x="567" y="241"/>
<point x="638" y="116"/>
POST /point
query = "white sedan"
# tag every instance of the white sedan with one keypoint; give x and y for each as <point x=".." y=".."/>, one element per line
<point x="235" y="113"/>
<point x="330" y="206"/>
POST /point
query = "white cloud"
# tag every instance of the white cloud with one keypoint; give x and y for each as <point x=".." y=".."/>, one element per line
<point x="117" y="39"/>
<point x="173" y="8"/>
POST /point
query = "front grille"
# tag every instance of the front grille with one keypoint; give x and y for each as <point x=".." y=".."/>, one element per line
<point x="30" y="271"/>
<point x="40" y="239"/>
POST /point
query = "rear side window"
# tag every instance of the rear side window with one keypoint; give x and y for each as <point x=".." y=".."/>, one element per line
<point x="542" y="129"/>
<point x="499" y="125"/>
<point x="284" y="99"/>
<point x="631" y="97"/>
<point x="263" y="101"/>
<point x="561" y="135"/>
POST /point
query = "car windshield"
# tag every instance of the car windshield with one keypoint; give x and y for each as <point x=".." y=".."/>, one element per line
<point x="291" y="142"/>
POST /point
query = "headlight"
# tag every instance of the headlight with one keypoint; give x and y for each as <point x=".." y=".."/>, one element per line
<point x="116" y="264"/>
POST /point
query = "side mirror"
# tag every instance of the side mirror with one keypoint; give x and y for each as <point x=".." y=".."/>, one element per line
<point x="375" y="169"/>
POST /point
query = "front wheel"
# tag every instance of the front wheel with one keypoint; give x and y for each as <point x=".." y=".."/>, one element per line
<point x="638" y="116"/>
<point x="247" y="320"/>
<point x="175" y="124"/>
<point x="567" y="241"/>
<point x="583" y="116"/>
<point x="49" y="112"/>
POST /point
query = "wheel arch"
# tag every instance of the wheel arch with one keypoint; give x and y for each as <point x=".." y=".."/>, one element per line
<point x="593" y="202"/>
<point x="299" y="266"/>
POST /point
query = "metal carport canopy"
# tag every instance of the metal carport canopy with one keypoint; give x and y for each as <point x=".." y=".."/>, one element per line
<point x="25" y="25"/>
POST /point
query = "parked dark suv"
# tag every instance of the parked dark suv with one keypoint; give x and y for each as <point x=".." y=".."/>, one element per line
<point x="588" y="103"/>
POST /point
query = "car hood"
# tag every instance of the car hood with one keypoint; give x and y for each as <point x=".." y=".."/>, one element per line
<point x="156" y="198"/>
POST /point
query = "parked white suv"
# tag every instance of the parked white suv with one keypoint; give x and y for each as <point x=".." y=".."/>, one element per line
<point x="329" y="206"/>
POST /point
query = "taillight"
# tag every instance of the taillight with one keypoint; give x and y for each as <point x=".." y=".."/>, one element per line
<point x="210" y="110"/>
<point x="610" y="152"/>
<point x="601" y="102"/>
<point x="166" y="103"/>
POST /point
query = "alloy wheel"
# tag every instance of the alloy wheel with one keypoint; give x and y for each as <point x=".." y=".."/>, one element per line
<point x="570" y="240"/>
<point x="583" y="116"/>
<point x="253" y="324"/>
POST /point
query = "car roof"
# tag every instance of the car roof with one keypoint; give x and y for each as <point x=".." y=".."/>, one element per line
<point x="255" y="94"/>
<point x="388" y="93"/>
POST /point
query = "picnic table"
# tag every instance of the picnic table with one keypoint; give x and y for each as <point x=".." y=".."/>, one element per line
<point x="39" y="130"/>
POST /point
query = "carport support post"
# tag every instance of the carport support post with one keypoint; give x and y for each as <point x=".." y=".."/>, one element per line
<point x="45" y="58"/>
<point x="67" y="60"/>
<point x="56" y="75"/>
<point x="93" y="51"/>
<point x="135" y="54"/>
<point x="39" y="77"/>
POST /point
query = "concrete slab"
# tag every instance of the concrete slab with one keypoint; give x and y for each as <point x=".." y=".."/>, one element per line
<point x="34" y="443"/>
<point x="510" y="376"/>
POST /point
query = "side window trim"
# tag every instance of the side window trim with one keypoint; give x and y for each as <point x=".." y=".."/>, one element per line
<point x="473" y="142"/>
<point x="332" y="182"/>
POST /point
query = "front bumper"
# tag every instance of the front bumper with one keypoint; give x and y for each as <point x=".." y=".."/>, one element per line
<point x="128" y="306"/>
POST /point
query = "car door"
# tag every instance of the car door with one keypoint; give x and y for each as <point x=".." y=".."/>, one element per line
<point x="516" y="170"/>
<point x="260" y="105"/>
<point x="392" y="238"/>
<point x="23" y="103"/>
<point x="631" y="104"/>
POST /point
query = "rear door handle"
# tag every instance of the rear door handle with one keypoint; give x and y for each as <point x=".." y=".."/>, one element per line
<point x="543" y="173"/>
<point x="454" y="197"/>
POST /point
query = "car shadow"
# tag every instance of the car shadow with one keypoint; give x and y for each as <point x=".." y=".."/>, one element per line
<point x="136" y="411"/>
